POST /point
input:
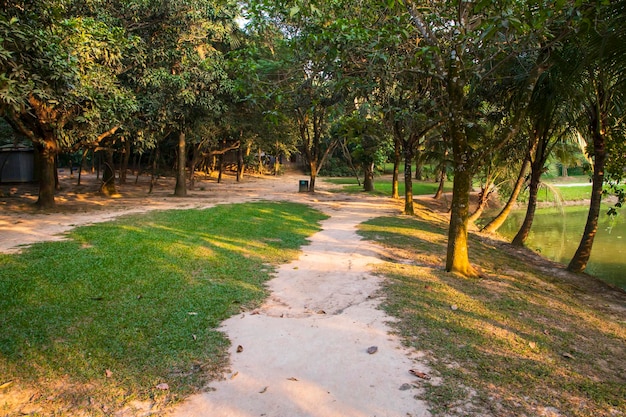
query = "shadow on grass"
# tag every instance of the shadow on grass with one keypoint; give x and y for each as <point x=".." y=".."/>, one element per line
<point x="518" y="341"/>
<point x="123" y="306"/>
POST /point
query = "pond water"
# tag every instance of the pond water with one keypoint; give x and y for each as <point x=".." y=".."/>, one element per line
<point x="556" y="233"/>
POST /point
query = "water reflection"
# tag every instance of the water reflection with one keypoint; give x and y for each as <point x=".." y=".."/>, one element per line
<point x="556" y="234"/>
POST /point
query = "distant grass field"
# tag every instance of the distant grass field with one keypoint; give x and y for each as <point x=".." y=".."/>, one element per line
<point x="106" y="316"/>
<point x="383" y="186"/>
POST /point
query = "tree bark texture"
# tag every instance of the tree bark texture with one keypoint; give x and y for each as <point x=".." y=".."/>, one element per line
<point x="581" y="257"/>
<point x="368" y="181"/>
<point x="457" y="257"/>
<point x="181" y="179"/>
<point x="48" y="153"/>
<point x="108" y="175"/>
<point x="533" y="192"/>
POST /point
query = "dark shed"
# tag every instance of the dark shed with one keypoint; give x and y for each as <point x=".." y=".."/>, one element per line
<point x="17" y="164"/>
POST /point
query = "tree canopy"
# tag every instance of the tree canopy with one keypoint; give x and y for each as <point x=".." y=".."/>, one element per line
<point x="472" y="84"/>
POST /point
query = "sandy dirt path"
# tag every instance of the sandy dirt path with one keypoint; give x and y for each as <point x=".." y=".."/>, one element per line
<point x="305" y="352"/>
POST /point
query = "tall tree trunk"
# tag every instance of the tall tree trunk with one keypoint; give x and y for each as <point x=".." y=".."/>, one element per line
<point x="419" y="172"/>
<point x="108" y="175"/>
<point x="368" y="181"/>
<point x="57" y="184"/>
<point x="153" y="176"/>
<point x="483" y="198"/>
<point x="181" y="178"/>
<point x="499" y="220"/>
<point x="138" y="167"/>
<point x="48" y="151"/>
<point x="82" y="163"/>
<point x="397" y="155"/>
<point x="442" y="182"/>
<point x="125" y="160"/>
<point x="533" y="190"/>
<point x="581" y="257"/>
<point x="220" y="161"/>
<point x="457" y="256"/>
<point x="442" y="176"/>
<point x="195" y="159"/>
<point x="240" y="161"/>
<point x="313" y="167"/>
<point x="408" y="179"/>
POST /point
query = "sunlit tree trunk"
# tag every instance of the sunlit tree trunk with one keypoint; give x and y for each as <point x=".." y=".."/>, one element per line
<point x="396" y="168"/>
<point x="313" y="167"/>
<point x="442" y="181"/>
<point x="181" y="179"/>
<point x="419" y="171"/>
<point x="240" y="161"/>
<point x="457" y="257"/>
<point x="499" y="220"/>
<point x="540" y="150"/>
<point x="598" y="127"/>
<point x="483" y="199"/>
<point x="533" y="192"/>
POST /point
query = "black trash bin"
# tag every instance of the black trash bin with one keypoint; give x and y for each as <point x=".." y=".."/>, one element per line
<point x="304" y="186"/>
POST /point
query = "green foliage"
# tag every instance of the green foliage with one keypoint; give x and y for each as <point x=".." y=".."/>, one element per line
<point x="142" y="297"/>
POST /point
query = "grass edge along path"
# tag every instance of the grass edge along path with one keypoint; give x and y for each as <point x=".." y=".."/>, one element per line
<point x="519" y="341"/>
<point x="128" y="310"/>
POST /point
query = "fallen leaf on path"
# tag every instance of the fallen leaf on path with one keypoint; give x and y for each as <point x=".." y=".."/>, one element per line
<point x="372" y="349"/>
<point x="163" y="386"/>
<point x="419" y="374"/>
<point x="321" y="312"/>
<point x="6" y="385"/>
<point x="263" y="390"/>
<point x="234" y="375"/>
<point x="239" y="349"/>
<point x="292" y="379"/>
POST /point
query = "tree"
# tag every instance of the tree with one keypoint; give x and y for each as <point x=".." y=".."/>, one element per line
<point x="67" y="66"/>
<point x="602" y="83"/>
<point x="549" y="124"/>
<point x="472" y="44"/>
<point x="183" y="76"/>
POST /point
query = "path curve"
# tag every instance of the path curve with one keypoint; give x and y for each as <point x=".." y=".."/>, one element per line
<point x="304" y="353"/>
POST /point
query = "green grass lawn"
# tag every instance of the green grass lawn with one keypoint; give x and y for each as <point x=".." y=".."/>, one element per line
<point x="104" y="317"/>
<point x="516" y="342"/>
<point x="554" y="192"/>
<point x="382" y="186"/>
